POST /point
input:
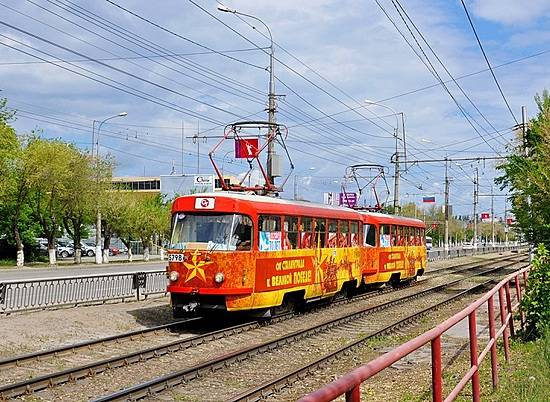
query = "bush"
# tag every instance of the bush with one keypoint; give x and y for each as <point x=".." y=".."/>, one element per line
<point x="536" y="301"/>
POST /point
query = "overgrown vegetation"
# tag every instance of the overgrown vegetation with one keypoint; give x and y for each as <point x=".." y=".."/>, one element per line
<point x="536" y="300"/>
<point x="527" y="176"/>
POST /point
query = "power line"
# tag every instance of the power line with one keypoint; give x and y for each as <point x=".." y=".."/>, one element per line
<point x="487" y="61"/>
<point x="430" y="67"/>
<point x="448" y="72"/>
<point x="22" y="63"/>
<point x="115" y="84"/>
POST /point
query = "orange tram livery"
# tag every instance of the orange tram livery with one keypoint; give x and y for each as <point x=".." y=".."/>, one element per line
<point x="246" y="252"/>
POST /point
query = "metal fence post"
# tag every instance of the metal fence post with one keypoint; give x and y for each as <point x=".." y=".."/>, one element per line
<point x="354" y="394"/>
<point x="509" y="308"/>
<point x="503" y="322"/>
<point x="518" y="296"/>
<point x="493" y="338"/>
<point x="473" y="355"/>
<point x="437" y="384"/>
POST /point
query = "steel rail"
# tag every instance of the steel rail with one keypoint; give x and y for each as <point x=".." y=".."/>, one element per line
<point x="273" y="386"/>
<point x="161" y="383"/>
<point x="17" y="360"/>
<point x="75" y="373"/>
<point x="432" y="272"/>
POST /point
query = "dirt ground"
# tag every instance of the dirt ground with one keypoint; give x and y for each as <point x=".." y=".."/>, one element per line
<point x="38" y="330"/>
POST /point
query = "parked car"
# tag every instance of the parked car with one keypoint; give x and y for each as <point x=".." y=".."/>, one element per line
<point x="114" y="250"/>
<point x="64" y="250"/>
<point x="468" y="246"/>
<point x="87" y="249"/>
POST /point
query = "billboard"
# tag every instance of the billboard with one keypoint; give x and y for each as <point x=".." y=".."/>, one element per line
<point x="175" y="185"/>
<point x="348" y="200"/>
<point x="329" y="198"/>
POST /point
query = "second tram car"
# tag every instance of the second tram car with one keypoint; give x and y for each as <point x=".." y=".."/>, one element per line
<point x="239" y="252"/>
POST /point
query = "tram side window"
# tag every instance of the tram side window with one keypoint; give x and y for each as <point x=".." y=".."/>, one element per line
<point x="354" y="233"/>
<point x="385" y="237"/>
<point x="393" y="235"/>
<point x="320" y="231"/>
<point x="332" y="239"/>
<point x="399" y="238"/>
<point x="369" y="232"/>
<point x="343" y="237"/>
<point x="269" y="228"/>
<point x="306" y="238"/>
<point x="291" y="233"/>
<point x="417" y="239"/>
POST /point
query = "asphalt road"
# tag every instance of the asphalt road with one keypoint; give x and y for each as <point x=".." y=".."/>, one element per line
<point x="81" y="270"/>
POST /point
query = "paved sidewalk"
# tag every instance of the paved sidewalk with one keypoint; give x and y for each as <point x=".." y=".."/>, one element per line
<point x="65" y="268"/>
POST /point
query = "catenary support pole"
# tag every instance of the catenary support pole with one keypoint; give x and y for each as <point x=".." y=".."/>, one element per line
<point x="446" y="208"/>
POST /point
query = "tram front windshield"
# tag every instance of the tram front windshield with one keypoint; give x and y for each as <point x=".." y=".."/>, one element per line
<point x="210" y="232"/>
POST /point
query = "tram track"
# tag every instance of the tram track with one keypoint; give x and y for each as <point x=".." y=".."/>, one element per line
<point x="280" y="345"/>
<point x="39" y="382"/>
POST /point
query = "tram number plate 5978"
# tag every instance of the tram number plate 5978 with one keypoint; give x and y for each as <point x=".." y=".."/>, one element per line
<point x="175" y="258"/>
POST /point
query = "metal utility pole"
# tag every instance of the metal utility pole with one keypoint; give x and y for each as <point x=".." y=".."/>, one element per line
<point x="506" y="221"/>
<point x="272" y="106"/>
<point x="446" y="207"/>
<point x="524" y="129"/>
<point x="526" y="151"/>
<point x="295" y="188"/>
<point x="492" y="217"/>
<point x="196" y="140"/>
<point x="476" y="189"/>
<point x="396" y="177"/>
<point x="271" y="109"/>
<point x="182" y="145"/>
<point x="98" y="248"/>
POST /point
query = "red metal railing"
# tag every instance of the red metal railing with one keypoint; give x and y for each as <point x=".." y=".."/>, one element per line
<point x="350" y="384"/>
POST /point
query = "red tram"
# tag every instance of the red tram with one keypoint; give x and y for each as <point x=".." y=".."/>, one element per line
<point x="236" y="251"/>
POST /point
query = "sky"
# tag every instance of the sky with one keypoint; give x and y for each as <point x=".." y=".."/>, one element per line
<point x="343" y="74"/>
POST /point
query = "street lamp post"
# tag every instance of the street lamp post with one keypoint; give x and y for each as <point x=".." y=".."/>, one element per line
<point x="396" y="205"/>
<point x="98" y="250"/>
<point x="272" y="107"/>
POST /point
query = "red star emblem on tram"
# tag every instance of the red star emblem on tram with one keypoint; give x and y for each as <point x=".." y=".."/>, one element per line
<point x="195" y="268"/>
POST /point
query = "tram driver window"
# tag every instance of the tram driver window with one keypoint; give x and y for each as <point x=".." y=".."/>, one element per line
<point x="242" y="233"/>
<point x="269" y="228"/>
<point x="370" y="235"/>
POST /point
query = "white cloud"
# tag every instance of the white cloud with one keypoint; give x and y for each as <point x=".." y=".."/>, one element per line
<point x="511" y="12"/>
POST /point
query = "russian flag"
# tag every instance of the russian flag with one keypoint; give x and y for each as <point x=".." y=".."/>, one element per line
<point x="428" y="199"/>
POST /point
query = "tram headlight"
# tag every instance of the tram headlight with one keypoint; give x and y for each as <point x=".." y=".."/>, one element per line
<point x="219" y="278"/>
<point x="173" y="276"/>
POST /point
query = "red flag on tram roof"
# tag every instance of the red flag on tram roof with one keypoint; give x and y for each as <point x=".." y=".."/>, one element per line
<point x="246" y="147"/>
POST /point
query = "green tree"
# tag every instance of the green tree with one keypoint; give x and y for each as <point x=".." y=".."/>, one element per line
<point x="526" y="175"/>
<point x="16" y="220"/>
<point x="536" y="300"/>
<point x="151" y="219"/>
<point x="50" y="175"/>
<point x="78" y="198"/>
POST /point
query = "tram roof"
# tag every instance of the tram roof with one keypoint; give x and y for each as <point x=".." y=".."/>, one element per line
<point x="243" y="202"/>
